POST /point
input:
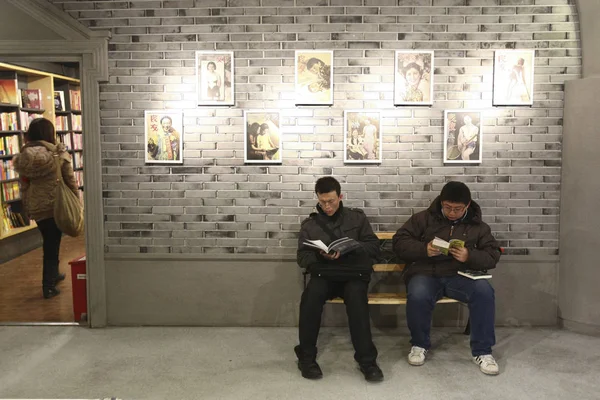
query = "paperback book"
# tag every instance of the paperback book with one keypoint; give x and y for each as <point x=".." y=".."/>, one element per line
<point x="343" y="245"/>
<point x="472" y="274"/>
<point x="443" y="246"/>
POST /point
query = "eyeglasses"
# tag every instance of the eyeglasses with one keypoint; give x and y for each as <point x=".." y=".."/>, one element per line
<point x="327" y="203"/>
<point x="456" y="210"/>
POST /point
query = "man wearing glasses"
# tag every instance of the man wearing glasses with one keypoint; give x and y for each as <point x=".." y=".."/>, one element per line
<point x="336" y="275"/>
<point x="432" y="275"/>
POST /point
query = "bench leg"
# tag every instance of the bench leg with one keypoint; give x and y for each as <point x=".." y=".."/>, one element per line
<point x="468" y="328"/>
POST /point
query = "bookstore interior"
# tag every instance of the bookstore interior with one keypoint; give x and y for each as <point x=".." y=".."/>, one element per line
<point x="29" y="91"/>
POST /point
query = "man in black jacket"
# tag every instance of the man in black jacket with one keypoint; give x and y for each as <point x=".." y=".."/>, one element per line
<point x="336" y="275"/>
<point x="432" y="275"/>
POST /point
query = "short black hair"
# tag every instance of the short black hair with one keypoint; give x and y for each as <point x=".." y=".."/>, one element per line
<point x="327" y="184"/>
<point x="456" y="192"/>
<point x="41" y="129"/>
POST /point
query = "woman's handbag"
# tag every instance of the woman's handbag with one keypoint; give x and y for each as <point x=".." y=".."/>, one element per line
<point x="68" y="211"/>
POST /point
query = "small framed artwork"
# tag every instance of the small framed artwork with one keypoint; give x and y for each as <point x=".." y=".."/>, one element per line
<point x="214" y="77"/>
<point x="413" y="77"/>
<point x="463" y="136"/>
<point x="362" y="136"/>
<point x="163" y="129"/>
<point x="262" y="143"/>
<point x="513" y="77"/>
<point x="314" y="77"/>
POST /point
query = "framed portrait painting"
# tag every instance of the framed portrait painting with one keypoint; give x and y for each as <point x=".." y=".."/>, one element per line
<point x="513" y="77"/>
<point x="314" y="77"/>
<point x="163" y="136"/>
<point x="214" y="77"/>
<point x="413" y="77"/>
<point x="262" y="137"/>
<point x="463" y="136"/>
<point x="362" y="136"/>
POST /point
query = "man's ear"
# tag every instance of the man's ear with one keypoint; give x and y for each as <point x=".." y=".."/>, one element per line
<point x="341" y="196"/>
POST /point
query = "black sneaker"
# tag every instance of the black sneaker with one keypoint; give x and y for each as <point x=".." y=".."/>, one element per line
<point x="50" y="292"/>
<point x="372" y="372"/>
<point x="310" y="369"/>
<point x="60" y="278"/>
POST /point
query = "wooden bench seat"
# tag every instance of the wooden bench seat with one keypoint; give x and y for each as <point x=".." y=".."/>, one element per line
<point x="390" y="298"/>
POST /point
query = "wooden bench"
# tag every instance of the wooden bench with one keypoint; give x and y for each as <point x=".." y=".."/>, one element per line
<point x="393" y="298"/>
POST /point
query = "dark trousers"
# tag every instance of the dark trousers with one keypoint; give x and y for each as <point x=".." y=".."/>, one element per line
<point x="354" y="293"/>
<point x="51" y="236"/>
<point x="422" y="294"/>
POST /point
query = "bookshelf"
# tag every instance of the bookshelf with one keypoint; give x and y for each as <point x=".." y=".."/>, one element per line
<point x="26" y="94"/>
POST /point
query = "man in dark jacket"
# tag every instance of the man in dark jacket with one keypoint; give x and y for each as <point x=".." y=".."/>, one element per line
<point x="432" y="275"/>
<point x="336" y="275"/>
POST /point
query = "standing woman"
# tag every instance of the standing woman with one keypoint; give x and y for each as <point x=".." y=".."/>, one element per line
<point x="37" y="170"/>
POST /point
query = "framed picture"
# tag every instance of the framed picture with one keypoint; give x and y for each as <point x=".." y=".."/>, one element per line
<point x="513" y="77"/>
<point x="413" y="77"/>
<point x="262" y="143"/>
<point x="362" y="136"/>
<point x="314" y="77"/>
<point x="463" y="136"/>
<point x="214" y="77"/>
<point x="163" y="136"/>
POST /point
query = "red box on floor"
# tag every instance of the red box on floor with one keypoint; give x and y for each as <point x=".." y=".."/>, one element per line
<point x="79" y="282"/>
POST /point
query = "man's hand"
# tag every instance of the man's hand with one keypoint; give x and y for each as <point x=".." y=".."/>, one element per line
<point x="459" y="253"/>
<point x="331" y="256"/>
<point x="432" y="251"/>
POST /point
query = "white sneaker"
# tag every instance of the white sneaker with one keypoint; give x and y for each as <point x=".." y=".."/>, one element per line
<point x="487" y="364"/>
<point x="417" y="356"/>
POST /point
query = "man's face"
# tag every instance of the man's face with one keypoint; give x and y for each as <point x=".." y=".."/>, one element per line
<point x="454" y="211"/>
<point x="166" y="125"/>
<point x="329" y="202"/>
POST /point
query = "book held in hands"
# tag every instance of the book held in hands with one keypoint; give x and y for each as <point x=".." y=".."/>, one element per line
<point x="343" y="245"/>
<point x="443" y="246"/>
<point x="473" y="274"/>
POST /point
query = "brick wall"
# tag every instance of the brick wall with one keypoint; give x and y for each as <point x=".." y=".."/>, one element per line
<point x="214" y="203"/>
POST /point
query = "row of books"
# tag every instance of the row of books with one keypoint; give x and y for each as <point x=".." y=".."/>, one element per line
<point x="7" y="171"/>
<point x="77" y="160"/>
<point x="61" y="122"/>
<point x="9" y="145"/>
<point x="12" y="219"/>
<point x="32" y="98"/>
<point x="79" y="178"/>
<point x="10" y="191"/>
<point x="76" y="122"/>
<point x="71" y="142"/>
<point x="27" y="117"/>
<point x="8" y="121"/>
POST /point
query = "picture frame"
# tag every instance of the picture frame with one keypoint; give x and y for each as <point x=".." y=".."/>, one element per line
<point x="214" y="78"/>
<point x="362" y="136"/>
<point x="463" y="136"/>
<point x="513" y="77"/>
<point x="163" y="136"/>
<point x="313" y="77"/>
<point x="413" y="77"/>
<point x="262" y="137"/>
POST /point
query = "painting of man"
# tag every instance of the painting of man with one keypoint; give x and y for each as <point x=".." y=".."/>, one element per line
<point x="163" y="137"/>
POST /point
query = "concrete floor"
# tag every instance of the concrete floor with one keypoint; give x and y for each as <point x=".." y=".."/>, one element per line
<point x="258" y="363"/>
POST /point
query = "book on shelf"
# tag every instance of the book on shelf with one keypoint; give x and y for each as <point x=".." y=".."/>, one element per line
<point x="75" y="100"/>
<point x="443" y="246"/>
<point x="27" y="117"/>
<point x="8" y="91"/>
<point x="59" y="100"/>
<point x="31" y="98"/>
<point x="8" y="121"/>
<point x="343" y="245"/>
<point x="474" y="274"/>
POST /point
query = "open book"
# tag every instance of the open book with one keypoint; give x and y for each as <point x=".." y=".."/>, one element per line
<point x="444" y="246"/>
<point x="472" y="274"/>
<point x="343" y="245"/>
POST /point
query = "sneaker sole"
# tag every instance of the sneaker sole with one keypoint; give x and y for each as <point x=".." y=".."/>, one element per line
<point x="416" y="363"/>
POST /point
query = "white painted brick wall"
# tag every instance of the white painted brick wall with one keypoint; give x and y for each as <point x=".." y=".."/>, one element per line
<point x="216" y="204"/>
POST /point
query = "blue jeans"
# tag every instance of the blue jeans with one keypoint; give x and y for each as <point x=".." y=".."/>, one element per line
<point x="422" y="294"/>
